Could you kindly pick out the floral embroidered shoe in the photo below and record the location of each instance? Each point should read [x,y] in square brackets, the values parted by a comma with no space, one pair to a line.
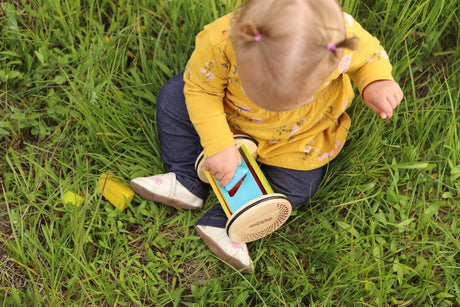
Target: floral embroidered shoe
[167,190]
[234,253]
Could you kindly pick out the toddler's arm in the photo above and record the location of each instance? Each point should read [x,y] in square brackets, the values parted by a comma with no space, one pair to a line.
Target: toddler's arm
[206,77]
[382,96]
[222,165]
[370,69]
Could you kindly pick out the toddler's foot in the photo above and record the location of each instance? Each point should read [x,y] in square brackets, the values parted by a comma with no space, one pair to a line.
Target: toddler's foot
[234,253]
[167,190]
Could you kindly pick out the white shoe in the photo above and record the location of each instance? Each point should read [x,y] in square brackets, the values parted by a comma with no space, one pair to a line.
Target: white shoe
[234,253]
[167,190]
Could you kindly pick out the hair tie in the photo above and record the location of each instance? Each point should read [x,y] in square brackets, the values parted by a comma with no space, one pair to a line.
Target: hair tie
[257,37]
[331,47]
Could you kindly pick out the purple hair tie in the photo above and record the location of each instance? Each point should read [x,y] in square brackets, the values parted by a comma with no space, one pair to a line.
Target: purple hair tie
[331,47]
[258,37]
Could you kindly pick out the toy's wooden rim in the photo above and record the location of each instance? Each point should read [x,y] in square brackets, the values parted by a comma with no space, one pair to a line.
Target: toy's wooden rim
[252,204]
[199,168]
[250,143]
[276,197]
[238,137]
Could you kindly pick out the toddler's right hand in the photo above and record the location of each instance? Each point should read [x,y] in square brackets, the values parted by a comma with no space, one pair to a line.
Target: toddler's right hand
[222,165]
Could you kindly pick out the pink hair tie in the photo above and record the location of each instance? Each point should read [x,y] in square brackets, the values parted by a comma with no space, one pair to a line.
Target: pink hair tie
[258,37]
[331,47]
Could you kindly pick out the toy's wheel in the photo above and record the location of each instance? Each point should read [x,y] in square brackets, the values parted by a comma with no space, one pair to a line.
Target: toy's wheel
[240,139]
[258,218]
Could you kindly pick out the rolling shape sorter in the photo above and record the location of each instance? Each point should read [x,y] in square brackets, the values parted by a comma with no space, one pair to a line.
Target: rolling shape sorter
[252,208]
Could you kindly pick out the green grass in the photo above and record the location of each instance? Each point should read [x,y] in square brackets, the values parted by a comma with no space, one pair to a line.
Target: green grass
[78,85]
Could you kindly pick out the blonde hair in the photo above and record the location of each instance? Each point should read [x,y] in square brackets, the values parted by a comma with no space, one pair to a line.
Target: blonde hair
[286,49]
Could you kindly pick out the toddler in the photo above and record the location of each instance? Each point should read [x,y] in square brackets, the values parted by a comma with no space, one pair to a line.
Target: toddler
[278,71]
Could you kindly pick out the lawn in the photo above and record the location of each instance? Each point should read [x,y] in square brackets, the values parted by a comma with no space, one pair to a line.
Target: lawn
[78,87]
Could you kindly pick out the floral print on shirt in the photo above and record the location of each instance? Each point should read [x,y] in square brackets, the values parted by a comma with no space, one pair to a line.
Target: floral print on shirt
[326,155]
[309,149]
[378,55]
[345,63]
[348,19]
[290,132]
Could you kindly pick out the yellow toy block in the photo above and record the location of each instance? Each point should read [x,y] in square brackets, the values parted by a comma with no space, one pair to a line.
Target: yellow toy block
[73,198]
[115,191]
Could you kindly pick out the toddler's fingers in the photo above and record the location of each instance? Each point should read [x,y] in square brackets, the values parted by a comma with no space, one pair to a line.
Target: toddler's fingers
[398,97]
[389,106]
[381,108]
[225,179]
[393,102]
[218,176]
[377,110]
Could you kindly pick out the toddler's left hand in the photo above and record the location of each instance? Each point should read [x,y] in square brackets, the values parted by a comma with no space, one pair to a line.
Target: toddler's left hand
[383,96]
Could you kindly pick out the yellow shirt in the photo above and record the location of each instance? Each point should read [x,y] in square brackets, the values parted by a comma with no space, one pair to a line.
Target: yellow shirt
[305,138]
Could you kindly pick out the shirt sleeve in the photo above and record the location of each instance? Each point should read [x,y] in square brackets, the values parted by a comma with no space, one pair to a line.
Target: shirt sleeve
[205,83]
[369,61]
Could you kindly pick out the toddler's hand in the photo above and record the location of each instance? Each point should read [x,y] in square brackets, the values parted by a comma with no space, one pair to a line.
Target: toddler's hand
[383,96]
[222,165]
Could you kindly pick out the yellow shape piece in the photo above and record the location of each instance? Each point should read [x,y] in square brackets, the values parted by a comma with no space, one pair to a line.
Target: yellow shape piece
[73,198]
[257,170]
[115,191]
[218,192]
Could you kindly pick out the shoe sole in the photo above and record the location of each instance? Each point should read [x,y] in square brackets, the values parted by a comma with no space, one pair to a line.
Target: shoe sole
[144,193]
[219,252]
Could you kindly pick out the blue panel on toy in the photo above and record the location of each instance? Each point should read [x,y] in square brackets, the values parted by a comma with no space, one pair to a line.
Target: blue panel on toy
[240,172]
[247,191]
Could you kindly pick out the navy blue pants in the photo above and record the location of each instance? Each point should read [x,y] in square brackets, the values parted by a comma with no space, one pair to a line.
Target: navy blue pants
[180,146]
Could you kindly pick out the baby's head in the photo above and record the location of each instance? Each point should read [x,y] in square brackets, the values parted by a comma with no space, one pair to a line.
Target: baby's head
[286,49]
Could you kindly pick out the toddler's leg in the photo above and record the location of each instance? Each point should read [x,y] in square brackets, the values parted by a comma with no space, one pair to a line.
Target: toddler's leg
[180,146]
[297,186]
[180,143]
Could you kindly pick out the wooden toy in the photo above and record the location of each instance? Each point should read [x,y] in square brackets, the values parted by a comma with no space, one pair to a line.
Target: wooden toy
[252,208]
[115,191]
